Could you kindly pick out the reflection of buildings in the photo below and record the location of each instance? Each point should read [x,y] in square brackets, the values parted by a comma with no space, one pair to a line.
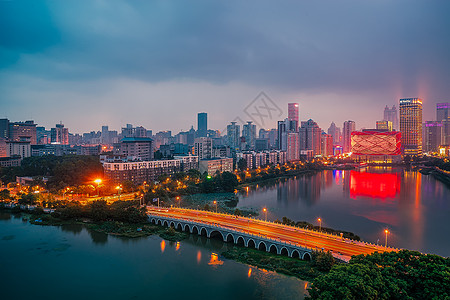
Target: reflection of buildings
[306,188]
[374,185]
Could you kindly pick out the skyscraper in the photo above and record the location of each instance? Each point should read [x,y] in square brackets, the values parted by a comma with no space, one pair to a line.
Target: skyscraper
[335,132]
[390,114]
[203,148]
[202,124]
[293,151]
[442,111]
[311,137]
[432,138]
[349,127]
[293,116]
[384,125]
[249,133]
[60,135]
[411,125]
[233,135]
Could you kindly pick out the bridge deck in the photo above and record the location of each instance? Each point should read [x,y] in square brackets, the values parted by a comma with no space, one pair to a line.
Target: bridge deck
[341,248]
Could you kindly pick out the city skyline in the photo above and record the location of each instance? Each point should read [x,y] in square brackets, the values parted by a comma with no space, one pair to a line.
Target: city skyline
[62,67]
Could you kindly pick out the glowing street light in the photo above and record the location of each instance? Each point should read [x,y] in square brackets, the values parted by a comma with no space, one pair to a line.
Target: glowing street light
[215,203]
[98,181]
[119,189]
[177,198]
[320,224]
[386,232]
[265,213]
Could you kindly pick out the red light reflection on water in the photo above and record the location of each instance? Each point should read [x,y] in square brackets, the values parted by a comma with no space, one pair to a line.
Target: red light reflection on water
[374,185]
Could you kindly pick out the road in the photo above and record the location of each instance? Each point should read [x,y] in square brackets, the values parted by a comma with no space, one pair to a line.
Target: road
[340,248]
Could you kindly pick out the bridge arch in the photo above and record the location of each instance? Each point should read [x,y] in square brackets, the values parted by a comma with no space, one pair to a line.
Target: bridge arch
[203,231]
[262,246]
[172,224]
[153,221]
[306,256]
[194,230]
[295,254]
[273,249]
[251,243]
[187,228]
[179,227]
[284,251]
[216,233]
[165,223]
[240,241]
[230,238]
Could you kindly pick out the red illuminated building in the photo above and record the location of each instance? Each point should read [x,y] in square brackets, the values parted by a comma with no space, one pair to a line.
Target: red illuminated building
[376,145]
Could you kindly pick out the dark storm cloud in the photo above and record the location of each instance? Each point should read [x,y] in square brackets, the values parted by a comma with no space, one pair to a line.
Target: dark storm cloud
[296,46]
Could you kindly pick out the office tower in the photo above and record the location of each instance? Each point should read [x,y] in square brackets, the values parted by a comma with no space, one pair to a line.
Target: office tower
[281,138]
[390,114]
[4,128]
[349,127]
[249,133]
[23,131]
[105,135]
[133,147]
[233,135]
[327,144]
[203,148]
[272,136]
[446,131]
[442,111]
[140,132]
[202,124]
[411,125]
[335,132]
[293,149]
[310,137]
[293,116]
[432,136]
[59,135]
[384,125]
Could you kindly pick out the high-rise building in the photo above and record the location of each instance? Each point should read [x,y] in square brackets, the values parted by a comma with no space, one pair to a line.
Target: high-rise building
[311,137]
[281,136]
[390,114]
[131,147]
[411,125]
[384,125]
[293,116]
[23,131]
[60,135]
[233,135]
[202,124]
[432,136]
[446,131]
[4,128]
[293,150]
[349,127]
[442,111]
[327,144]
[249,133]
[203,147]
[335,132]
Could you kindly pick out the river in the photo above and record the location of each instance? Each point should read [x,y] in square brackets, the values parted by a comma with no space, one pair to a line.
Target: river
[71,262]
[415,208]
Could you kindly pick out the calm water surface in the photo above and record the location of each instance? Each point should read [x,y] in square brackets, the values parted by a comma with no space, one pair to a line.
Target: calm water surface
[70,262]
[415,207]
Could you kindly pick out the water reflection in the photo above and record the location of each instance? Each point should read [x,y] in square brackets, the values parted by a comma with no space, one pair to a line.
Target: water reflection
[199,256]
[98,238]
[214,260]
[163,246]
[414,206]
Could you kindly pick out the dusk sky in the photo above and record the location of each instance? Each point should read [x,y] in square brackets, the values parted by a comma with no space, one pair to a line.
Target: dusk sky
[159,63]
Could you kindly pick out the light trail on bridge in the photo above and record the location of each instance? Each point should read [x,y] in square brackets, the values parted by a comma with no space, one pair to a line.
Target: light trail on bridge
[340,248]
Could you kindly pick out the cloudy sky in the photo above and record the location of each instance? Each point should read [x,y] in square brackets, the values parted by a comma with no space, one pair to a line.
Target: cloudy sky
[158,63]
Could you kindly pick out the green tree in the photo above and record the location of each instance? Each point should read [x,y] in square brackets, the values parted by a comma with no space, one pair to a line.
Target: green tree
[242,164]
[99,210]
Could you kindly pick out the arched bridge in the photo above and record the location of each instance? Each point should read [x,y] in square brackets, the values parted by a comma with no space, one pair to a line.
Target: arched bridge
[227,234]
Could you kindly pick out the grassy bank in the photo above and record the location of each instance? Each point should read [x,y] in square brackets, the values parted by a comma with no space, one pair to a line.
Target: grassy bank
[305,270]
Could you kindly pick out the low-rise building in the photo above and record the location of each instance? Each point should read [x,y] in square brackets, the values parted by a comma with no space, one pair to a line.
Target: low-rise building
[211,166]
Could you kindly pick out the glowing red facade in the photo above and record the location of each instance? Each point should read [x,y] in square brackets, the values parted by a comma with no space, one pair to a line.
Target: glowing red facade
[376,143]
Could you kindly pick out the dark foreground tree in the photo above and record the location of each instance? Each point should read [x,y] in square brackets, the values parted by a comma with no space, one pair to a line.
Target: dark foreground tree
[390,275]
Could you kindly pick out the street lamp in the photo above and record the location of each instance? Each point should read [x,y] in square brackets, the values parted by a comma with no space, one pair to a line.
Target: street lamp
[265,213]
[177,198]
[215,203]
[386,232]
[320,224]
[64,193]
[98,181]
[119,189]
